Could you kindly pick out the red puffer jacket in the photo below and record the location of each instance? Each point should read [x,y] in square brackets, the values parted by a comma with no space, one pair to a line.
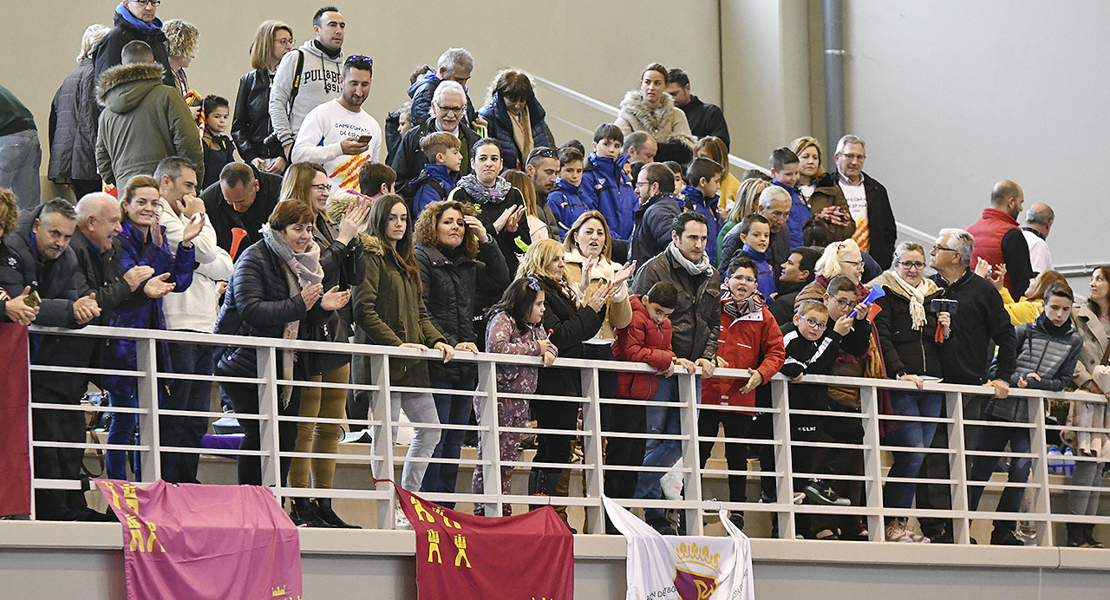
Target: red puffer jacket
[642,341]
[753,341]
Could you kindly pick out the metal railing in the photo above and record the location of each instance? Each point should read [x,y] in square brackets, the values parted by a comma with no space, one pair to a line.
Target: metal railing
[957,425]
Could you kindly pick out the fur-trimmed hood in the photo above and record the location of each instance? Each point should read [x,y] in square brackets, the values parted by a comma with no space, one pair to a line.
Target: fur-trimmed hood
[372,244]
[114,92]
[652,120]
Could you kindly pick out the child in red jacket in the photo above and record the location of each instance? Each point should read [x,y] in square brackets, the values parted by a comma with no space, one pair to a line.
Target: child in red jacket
[749,339]
[646,339]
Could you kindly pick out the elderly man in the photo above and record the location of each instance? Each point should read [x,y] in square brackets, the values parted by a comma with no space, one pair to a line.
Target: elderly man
[308,76]
[41,260]
[134,20]
[640,146]
[868,204]
[979,322]
[448,107]
[774,204]
[239,203]
[338,134]
[1000,241]
[1038,223]
[456,64]
[705,119]
[542,167]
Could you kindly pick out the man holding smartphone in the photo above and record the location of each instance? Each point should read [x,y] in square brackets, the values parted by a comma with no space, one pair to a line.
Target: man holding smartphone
[979,322]
[338,134]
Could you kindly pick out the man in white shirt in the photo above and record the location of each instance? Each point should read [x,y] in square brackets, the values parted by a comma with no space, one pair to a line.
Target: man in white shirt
[338,134]
[194,311]
[1038,222]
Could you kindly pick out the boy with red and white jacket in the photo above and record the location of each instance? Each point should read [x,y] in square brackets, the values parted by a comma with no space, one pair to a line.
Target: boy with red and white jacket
[749,339]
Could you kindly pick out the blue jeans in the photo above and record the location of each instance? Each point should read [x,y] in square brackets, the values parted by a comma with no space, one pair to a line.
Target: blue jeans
[453,410]
[186,432]
[910,434]
[20,157]
[994,439]
[661,453]
[121,430]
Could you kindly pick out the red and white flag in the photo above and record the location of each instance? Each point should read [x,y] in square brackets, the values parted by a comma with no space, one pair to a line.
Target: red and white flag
[466,557]
[684,568]
[205,542]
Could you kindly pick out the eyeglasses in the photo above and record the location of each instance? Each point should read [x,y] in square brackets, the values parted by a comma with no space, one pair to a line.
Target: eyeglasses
[533,284]
[854,157]
[458,110]
[814,323]
[153,3]
[912,265]
[858,264]
[845,304]
[939,248]
[543,151]
[323,187]
[285,41]
[642,183]
[359,59]
[744,278]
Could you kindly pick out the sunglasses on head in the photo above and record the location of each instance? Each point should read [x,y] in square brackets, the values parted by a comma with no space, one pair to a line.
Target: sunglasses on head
[359,59]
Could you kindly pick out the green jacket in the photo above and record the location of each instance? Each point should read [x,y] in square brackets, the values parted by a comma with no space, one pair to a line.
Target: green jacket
[143,122]
[389,311]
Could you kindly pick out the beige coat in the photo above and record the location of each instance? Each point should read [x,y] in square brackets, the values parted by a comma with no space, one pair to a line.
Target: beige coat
[1088,414]
[619,313]
[666,124]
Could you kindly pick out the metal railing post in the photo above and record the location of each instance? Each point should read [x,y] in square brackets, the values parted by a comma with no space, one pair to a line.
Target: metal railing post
[688,420]
[146,389]
[592,449]
[957,467]
[1042,503]
[382,437]
[490,437]
[872,462]
[268,423]
[784,485]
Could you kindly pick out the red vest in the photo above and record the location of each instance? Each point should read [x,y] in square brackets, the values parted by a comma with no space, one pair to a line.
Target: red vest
[988,232]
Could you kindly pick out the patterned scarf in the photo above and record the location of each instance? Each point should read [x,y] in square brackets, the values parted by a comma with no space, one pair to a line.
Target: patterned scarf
[482,194]
[739,308]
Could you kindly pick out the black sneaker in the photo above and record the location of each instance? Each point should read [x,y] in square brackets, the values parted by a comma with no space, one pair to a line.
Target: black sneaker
[820,492]
[1005,537]
[737,520]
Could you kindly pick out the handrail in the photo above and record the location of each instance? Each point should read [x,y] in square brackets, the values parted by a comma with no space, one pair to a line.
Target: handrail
[782,443]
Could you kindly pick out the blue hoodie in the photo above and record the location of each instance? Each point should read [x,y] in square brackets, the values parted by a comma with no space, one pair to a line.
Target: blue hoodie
[606,187]
[694,200]
[567,202]
[799,213]
[426,193]
[765,277]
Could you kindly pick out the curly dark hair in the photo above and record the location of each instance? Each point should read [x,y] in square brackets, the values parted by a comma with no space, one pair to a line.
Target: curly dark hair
[424,232]
[9,210]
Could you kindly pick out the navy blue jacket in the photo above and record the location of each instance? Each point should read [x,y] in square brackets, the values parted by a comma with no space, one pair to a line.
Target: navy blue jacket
[695,201]
[610,190]
[422,91]
[426,193]
[567,203]
[799,214]
[501,128]
[653,227]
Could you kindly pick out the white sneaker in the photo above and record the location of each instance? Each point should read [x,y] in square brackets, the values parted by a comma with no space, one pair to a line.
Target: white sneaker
[400,521]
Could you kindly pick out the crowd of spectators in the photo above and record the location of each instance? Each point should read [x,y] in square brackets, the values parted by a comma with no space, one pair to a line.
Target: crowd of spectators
[479,232]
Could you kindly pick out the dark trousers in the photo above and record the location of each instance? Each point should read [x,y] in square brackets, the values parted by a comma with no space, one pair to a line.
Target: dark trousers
[57,426]
[185,432]
[244,397]
[86,186]
[453,410]
[736,425]
[994,439]
[622,451]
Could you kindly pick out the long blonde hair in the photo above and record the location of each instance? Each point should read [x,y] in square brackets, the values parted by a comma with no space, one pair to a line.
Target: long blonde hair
[829,263]
[536,258]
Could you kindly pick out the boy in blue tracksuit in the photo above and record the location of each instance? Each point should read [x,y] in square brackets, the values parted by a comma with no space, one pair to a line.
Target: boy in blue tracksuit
[700,195]
[755,234]
[437,179]
[568,200]
[606,185]
[786,168]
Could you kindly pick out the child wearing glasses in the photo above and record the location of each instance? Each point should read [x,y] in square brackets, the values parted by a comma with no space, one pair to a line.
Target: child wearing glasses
[515,327]
[749,339]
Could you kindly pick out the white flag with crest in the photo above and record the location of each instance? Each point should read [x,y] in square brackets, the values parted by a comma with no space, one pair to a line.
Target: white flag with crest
[684,568]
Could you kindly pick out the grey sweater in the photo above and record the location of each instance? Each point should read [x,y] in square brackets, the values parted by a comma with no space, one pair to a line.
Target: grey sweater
[319,83]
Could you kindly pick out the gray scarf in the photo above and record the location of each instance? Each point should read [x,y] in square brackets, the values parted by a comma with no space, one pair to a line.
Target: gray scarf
[702,267]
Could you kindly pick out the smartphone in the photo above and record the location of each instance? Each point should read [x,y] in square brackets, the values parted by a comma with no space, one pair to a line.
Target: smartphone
[33,299]
[365,139]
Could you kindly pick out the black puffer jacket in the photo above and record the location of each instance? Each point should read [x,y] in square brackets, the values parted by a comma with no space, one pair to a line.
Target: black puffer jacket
[567,328]
[250,125]
[905,349]
[257,304]
[449,286]
[109,51]
[1046,350]
[73,115]
[344,266]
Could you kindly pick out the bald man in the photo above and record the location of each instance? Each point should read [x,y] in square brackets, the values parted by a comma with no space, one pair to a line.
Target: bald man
[999,239]
[1038,222]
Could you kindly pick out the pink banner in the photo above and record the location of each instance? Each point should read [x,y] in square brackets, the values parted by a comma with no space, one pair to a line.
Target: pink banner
[15,398]
[205,542]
